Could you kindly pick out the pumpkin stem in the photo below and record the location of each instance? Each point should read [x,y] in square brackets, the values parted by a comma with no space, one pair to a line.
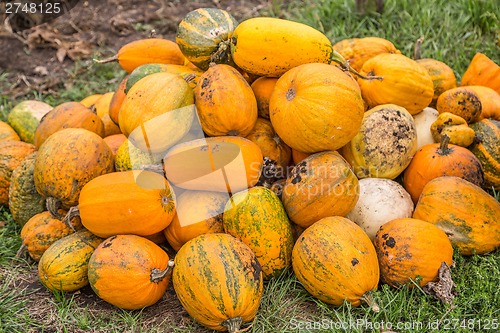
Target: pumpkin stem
[443,145]
[368,299]
[53,206]
[233,324]
[417,53]
[223,53]
[105,61]
[339,59]
[21,251]
[158,275]
[72,213]
[190,77]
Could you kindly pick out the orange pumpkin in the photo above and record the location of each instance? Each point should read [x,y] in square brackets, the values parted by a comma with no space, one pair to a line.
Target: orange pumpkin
[115,141]
[263,88]
[225,103]
[90,100]
[117,100]
[482,71]
[7,132]
[102,106]
[304,114]
[468,102]
[443,77]
[408,248]
[298,156]
[490,102]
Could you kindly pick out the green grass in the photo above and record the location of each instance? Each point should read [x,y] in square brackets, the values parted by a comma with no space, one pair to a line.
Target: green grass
[454,31]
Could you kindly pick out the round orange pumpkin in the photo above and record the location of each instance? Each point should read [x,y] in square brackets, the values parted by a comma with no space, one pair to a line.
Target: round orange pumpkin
[461,101]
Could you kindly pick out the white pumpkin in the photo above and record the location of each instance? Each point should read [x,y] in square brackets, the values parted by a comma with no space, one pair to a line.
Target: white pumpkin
[380,200]
[423,122]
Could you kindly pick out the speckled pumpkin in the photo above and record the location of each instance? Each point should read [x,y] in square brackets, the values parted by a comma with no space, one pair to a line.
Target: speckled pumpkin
[129,157]
[486,147]
[257,217]
[322,185]
[128,281]
[466,213]
[25,118]
[218,281]
[408,249]
[335,261]
[453,126]
[7,132]
[189,74]
[64,265]
[442,75]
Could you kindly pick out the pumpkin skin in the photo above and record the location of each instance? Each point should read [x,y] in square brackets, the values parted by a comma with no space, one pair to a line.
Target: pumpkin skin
[298,156]
[441,159]
[117,100]
[7,132]
[129,157]
[90,100]
[221,164]
[218,281]
[373,153]
[68,115]
[322,185]
[486,148]
[101,107]
[197,213]
[423,122]
[404,82]
[148,51]
[129,282]
[482,71]
[335,261]
[263,88]
[461,101]
[267,46]
[358,50]
[125,198]
[12,154]
[455,127]
[467,214]
[61,170]
[154,120]
[114,142]
[305,116]
[64,265]
[257,217]
[225,103]
[443,77]
[204,35]
[25,117]
[24,200]
[407,248]
[490,102]
[41,231]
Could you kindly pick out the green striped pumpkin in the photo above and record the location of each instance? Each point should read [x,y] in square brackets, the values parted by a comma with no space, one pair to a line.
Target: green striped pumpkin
[63,266]
[204,36]
[486,147]
[258,218]
[25,117]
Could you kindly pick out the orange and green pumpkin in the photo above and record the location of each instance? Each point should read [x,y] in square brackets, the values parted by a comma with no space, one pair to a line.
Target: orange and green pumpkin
[7,132]
[25,117]
[486,147]
[191,75]
[129,157]
[461,101]
[442,75]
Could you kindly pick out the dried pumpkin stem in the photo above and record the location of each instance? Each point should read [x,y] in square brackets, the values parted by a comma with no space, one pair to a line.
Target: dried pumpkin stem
[158,275]
[72,213]
[223,53]
[190,77]
[417,53]
[233,324]
[443,145]
[105,61]
[53,205]
[21,251]
[339,59]
[368,299]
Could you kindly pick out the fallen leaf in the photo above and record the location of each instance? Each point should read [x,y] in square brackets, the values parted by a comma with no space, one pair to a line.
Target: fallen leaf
[444,288]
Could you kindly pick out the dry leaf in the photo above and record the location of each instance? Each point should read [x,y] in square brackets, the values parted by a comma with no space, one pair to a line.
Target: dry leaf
[444,288]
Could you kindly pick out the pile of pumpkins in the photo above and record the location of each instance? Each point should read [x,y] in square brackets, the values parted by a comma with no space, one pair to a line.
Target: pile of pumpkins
[250,148]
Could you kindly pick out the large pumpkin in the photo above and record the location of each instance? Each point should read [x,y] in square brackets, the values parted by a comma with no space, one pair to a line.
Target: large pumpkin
[225,102]
[12,153]
[257,217]
[467,214]
[482,71]
[402,82]
[66,161]
[204,36]
[197,213]
[486,147]
[408,248]
[335,261]
[322,185]
[128,281]
[218,281]
[63,266]
[112,204]
[25,117]
[442,75]
[305,115]
[467,103]
[385,143]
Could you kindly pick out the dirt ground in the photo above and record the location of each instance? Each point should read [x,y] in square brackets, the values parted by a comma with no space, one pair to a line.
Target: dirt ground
[38,58]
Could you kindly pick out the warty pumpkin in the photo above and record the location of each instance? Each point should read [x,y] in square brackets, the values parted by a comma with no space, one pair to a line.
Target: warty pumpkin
[223,164]
[117,100]
[466,213]
[408,249]
[197,213]
[225,103]
[112,204]
[64,265]
[486,148]
[304,114]
[263,88]
[257,217]
[127,281]
[335,261]
[218,281]
[12,154]
[482,71]
[453,126]
[442,75]
[322,185]
[7,132]
[25,118]
[68,115]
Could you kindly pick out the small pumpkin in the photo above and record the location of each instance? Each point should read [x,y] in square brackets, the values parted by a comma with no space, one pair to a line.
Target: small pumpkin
[190,75]
[204,36]
[225,103]
[129,282]
[466,213]
[102,106]
[129,157]
[12,154]
[442,75]
[114,142]
[25,117]
[335,261]
[423,122]
[322,185]
[218,280]
[257,217]
[64,265]
[117,100]
[486,148]
[197,213]
[112,204]
[409,248]
[68,115]
[263,88]
[7,132]
[455,127]
[461,101]
[482,71]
